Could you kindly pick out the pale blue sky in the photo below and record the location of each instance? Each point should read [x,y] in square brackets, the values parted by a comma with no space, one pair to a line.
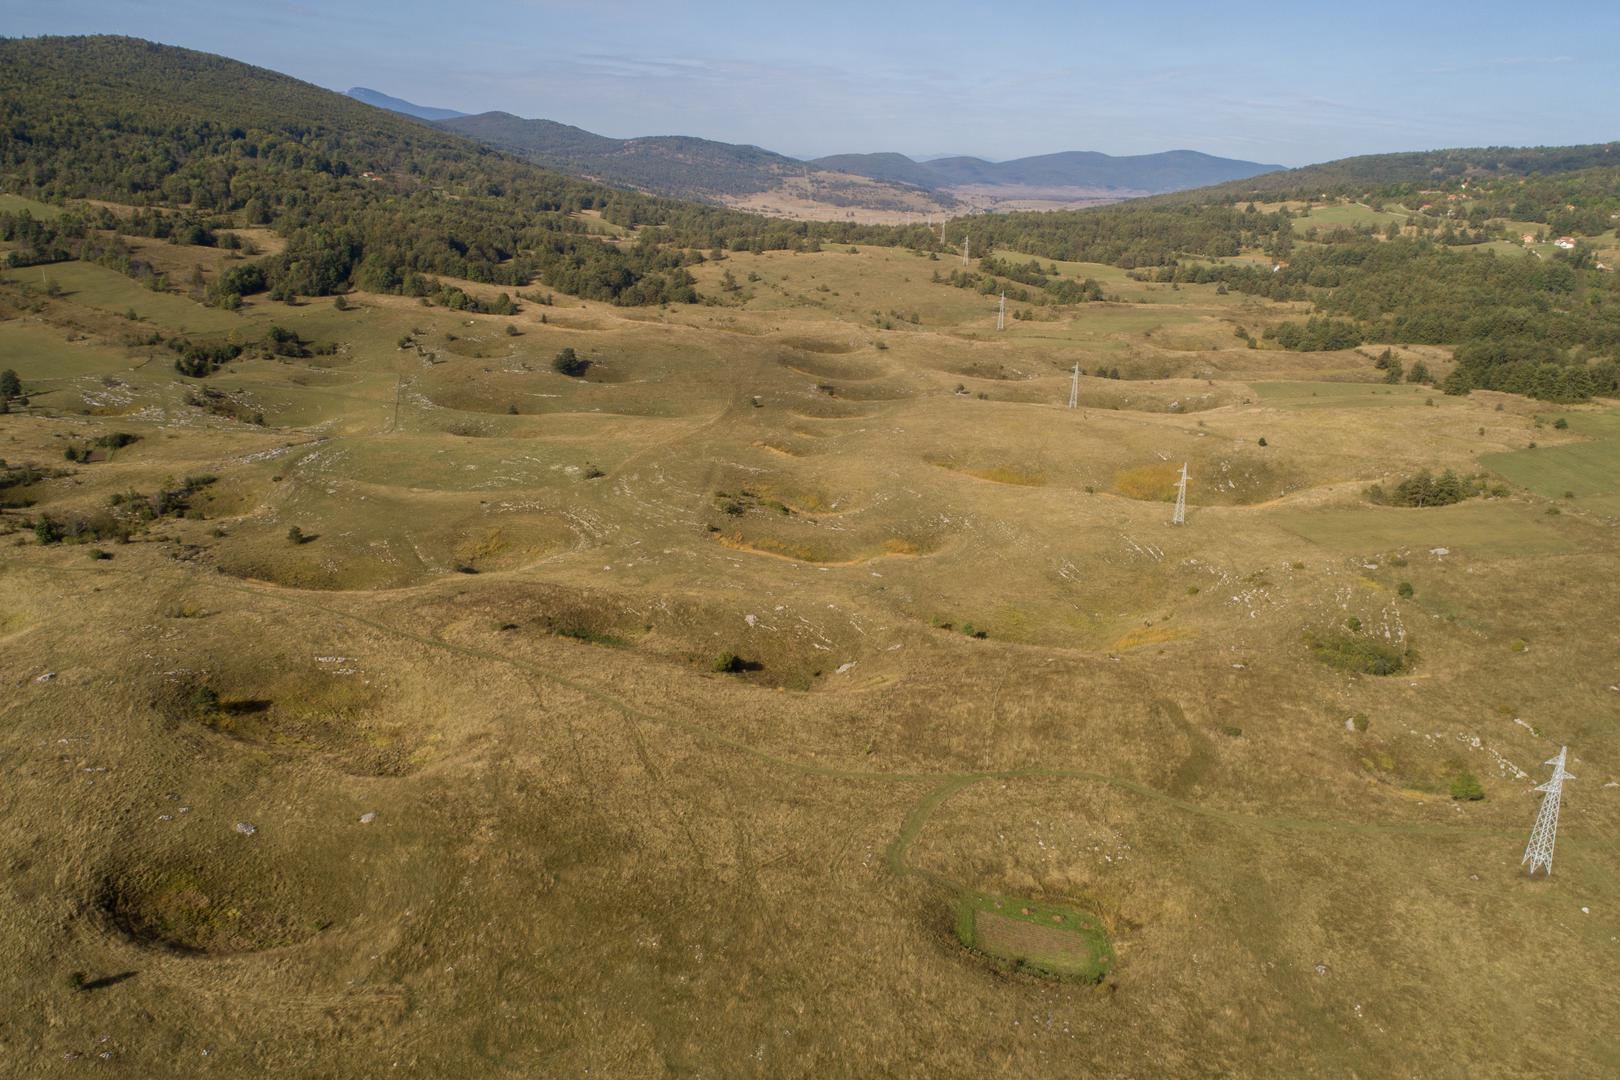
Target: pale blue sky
[1291,84]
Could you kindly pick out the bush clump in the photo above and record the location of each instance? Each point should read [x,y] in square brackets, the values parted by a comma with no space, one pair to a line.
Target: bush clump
[1465,786]
[729,663]
[1426,489]
[1360,653]
[570,363]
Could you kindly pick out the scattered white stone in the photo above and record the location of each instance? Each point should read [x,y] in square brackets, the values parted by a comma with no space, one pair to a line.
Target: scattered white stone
[47,677]
[246,828]
[1586,911]
[1439,553]
[843,668]
[368,817]
[1321,969]
[751,620]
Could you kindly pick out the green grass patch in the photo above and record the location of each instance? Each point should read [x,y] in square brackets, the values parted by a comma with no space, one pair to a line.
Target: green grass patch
[1345,215]
[587,634]
[15,204]
[1585,468]
[107,290]
[1050,939]
[1494,528]
[43,360]
[1328,395]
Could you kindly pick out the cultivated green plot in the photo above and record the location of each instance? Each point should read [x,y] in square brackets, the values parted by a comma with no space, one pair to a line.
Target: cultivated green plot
[1346,215]
[13,204]
[107,290]
[1584,468]
[1493,528]
[39,355]
[1324,395]
[456,463]
[1052,939]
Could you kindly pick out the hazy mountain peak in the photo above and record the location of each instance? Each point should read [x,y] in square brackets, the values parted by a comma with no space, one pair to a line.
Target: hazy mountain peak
[400,105]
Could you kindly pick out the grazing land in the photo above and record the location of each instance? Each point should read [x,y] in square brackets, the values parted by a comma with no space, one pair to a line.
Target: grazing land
[506,814]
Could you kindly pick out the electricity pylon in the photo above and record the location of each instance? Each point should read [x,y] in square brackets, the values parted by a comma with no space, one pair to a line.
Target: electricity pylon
[1539,851]
[1180,516]
[1074,389]
[1001,313]
[967,244]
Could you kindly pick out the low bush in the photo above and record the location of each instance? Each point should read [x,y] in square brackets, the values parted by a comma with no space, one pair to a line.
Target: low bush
[570,363]
[1360,653]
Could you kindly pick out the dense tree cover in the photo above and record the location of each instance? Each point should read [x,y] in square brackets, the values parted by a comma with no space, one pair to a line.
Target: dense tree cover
[1395,176]
[1316,335]
[1135,233]
[364,197]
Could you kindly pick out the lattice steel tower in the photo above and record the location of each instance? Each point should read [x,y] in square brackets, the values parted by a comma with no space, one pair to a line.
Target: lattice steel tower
[1180,516]
[1539,851]
[1074,389]
[1001,313]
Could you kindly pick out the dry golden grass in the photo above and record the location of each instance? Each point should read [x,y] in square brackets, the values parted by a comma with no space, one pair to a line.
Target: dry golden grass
[591,850]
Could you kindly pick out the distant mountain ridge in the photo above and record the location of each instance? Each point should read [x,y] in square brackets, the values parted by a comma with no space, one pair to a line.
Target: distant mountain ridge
[713,171]
[1171,170]
[674,165]
[400,105]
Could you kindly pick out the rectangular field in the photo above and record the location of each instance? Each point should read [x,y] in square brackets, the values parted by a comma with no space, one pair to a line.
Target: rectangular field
[1582,468]
[1325,395]
[1492,528]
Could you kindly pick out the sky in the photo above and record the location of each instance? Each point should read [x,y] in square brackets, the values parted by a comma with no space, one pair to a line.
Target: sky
[1287,84]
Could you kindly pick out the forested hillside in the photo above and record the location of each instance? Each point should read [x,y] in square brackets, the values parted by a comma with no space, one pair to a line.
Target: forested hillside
[364,197]
[673,165]
[1396,174]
